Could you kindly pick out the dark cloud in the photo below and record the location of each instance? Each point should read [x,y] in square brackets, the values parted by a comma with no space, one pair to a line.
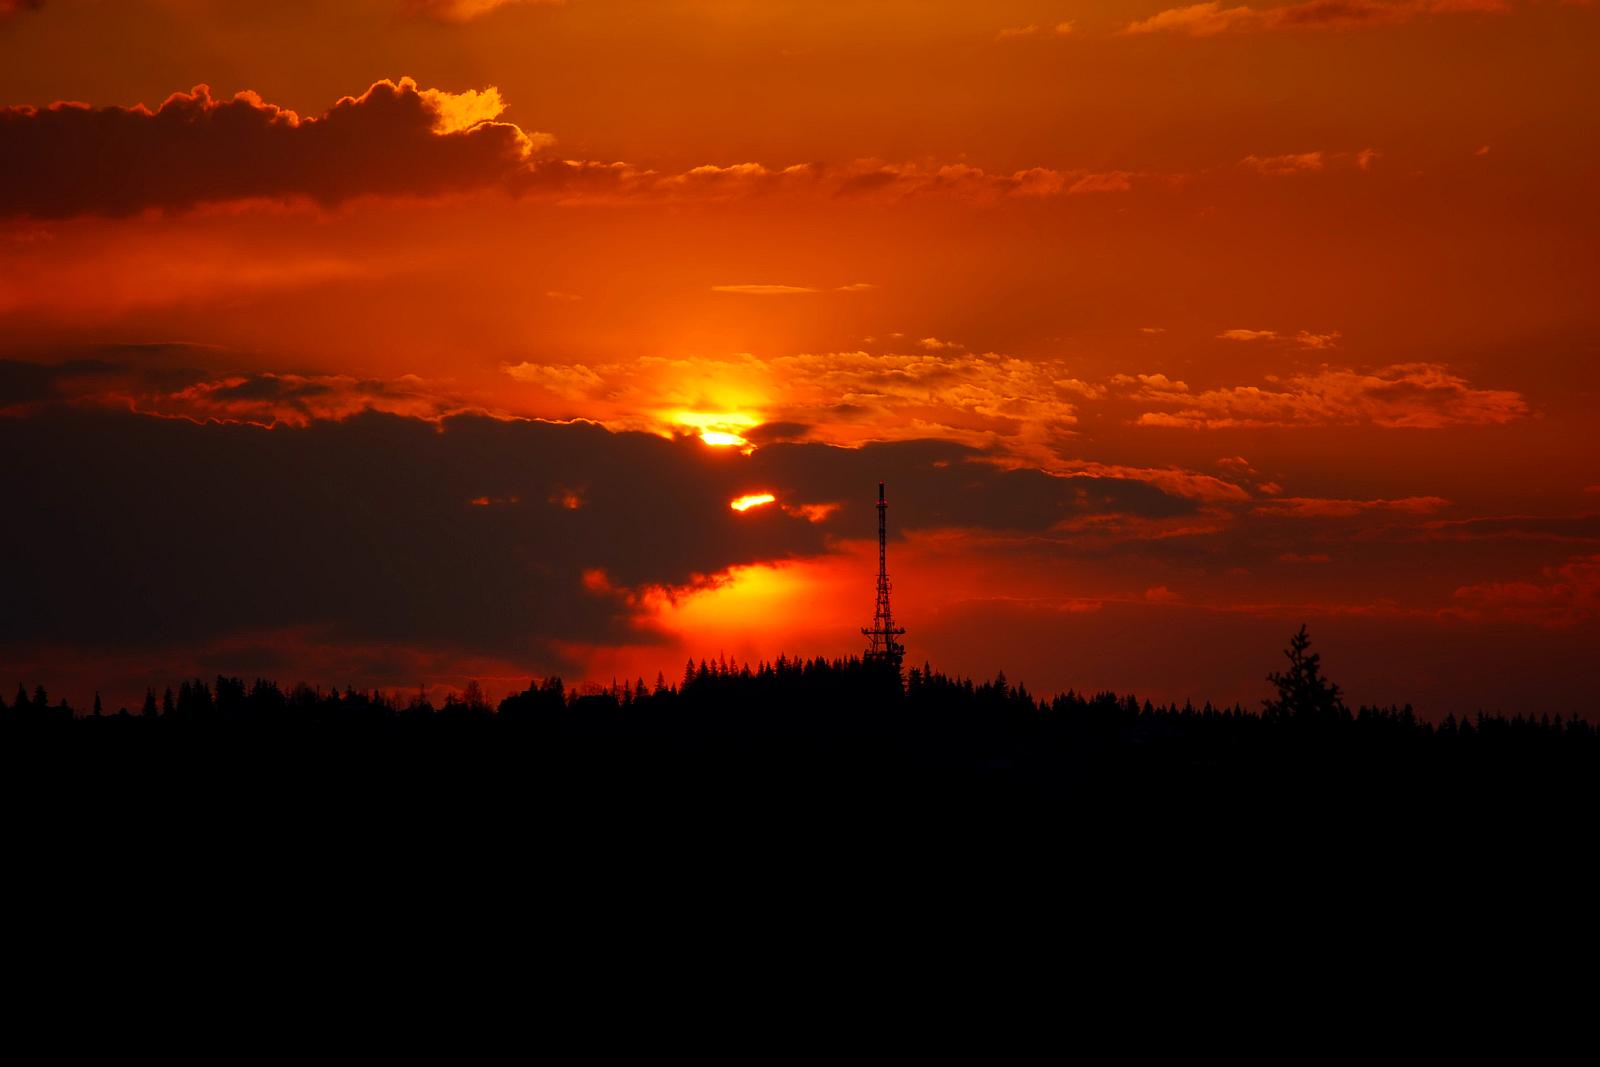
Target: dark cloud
[70,159]
[396,139]
[771,432]
[154,379]
[165,530]
[467,532]
[37,383]
[1515,528]
[943,484]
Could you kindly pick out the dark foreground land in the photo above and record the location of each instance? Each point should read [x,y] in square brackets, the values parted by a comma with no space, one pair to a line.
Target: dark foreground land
[832,804]
[822,837]
[791,743]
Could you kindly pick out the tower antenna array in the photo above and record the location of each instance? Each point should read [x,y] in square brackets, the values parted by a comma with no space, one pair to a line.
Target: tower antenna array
[882,646]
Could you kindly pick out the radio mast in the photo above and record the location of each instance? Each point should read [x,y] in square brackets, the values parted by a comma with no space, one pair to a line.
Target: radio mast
[882,646]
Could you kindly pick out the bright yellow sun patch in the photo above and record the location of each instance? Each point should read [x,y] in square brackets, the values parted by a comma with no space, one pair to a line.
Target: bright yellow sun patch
[745,503]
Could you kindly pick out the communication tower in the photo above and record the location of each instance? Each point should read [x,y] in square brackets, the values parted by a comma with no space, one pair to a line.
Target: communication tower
[882,645]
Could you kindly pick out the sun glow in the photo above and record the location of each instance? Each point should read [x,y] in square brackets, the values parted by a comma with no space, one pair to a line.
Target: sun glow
[745,503]
[721,429]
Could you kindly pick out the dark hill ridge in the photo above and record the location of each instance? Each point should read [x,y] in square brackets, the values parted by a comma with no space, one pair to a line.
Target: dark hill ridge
[809,734]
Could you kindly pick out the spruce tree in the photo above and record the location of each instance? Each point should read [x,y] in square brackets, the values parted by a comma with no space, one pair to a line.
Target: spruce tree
[1303,692]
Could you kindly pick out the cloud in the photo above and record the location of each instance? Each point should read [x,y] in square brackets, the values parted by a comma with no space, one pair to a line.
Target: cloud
[457,112]
[1171,480]
[943,485]
[1109,182]
[867,179]
[1556,528]
[876,179]
[1304,338]
[1280,166]
[1324,508]
[790,290]
[467,532]
[1059,29]
[1568,595]
[268,399]
[1307,339]
[397,139]
[1293,164]
[764,290]
[463,10]
[359,522]
[572,380]
[1212,19]
[1023,408]
[393,139]
[1408,395]
[1237,465]
[161,387]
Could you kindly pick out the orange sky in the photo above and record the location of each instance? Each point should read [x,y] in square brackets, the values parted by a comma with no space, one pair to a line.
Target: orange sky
[1172,328]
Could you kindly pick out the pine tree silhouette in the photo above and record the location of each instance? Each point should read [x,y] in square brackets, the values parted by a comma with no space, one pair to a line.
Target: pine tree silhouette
[1303,692]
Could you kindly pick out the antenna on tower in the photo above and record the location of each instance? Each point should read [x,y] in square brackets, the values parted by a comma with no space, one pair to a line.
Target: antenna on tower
[882,646]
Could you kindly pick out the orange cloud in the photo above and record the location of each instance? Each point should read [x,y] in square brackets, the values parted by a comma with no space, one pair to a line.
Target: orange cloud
[764,290]
[1279,166]
[1304,338]
[1171,480]
[1022,406]
[1307,339]
[463,10]
[1292,164]
[1411,395]
[1014,33]
[1211,19]
[871,178]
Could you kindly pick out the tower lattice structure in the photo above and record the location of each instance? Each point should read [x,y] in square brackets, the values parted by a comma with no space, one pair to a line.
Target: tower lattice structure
[882,645]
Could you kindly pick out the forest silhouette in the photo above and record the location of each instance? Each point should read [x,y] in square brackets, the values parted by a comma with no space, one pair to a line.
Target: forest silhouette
[806,735]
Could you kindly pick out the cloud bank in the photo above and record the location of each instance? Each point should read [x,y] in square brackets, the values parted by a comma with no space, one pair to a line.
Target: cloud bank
[1212,18]
[195,148]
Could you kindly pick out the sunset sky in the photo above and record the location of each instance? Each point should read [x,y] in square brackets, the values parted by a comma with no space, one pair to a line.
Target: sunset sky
[400,343]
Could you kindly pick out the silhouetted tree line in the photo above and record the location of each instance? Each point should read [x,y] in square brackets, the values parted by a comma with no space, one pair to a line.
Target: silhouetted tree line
[848,709]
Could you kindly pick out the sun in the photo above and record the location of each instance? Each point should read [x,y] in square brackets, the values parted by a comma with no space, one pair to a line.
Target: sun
[722,439]
[720,429]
